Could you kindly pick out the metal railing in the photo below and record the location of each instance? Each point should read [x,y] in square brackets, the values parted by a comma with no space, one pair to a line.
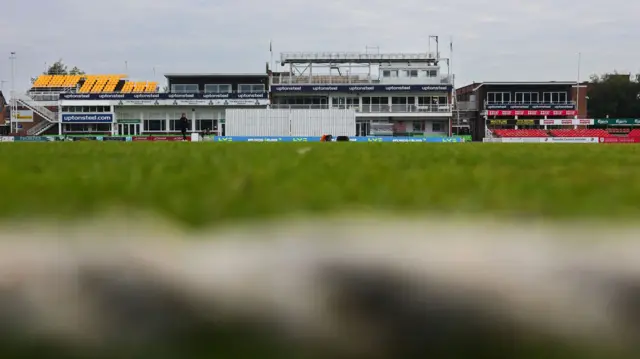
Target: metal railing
[363,79]
[322,79]
[37,108]
[373,108]
[357,56]
[46,96]
[40,128]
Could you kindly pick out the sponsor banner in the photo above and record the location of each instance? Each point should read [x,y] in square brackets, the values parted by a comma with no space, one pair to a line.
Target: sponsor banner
[564,122]
[571,139]
[6,139]
[532,113]
[159,138]
[351,139]
[195,102]
[512,122]
[129,121]
[617,121]
[164,96]
[537,106]
[545,140]
[360,88]
[33,139]
[114,138]
[168,138]
[519,140]
[619,139]
[86,118]
[23,116]
[82,138]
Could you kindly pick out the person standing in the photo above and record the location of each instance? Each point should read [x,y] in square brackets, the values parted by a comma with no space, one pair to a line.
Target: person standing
[184,125]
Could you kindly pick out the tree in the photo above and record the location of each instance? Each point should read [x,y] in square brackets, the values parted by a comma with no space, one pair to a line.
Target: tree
[614,95]
[59,68]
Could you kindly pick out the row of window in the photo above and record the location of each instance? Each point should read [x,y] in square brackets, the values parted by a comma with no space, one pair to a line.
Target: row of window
[174,125]
[409,73]
[149,126]
[217,88]
[422,126]
[355,101]
[162,116]
[86,127]
[527,97]
[86,109]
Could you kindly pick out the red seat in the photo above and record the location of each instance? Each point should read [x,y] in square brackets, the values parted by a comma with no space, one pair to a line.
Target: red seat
[520,133]
[581,132]
[634,133]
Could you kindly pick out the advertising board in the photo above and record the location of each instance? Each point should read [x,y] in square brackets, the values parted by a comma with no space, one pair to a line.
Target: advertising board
[619,139]
[544,140]
[532,112]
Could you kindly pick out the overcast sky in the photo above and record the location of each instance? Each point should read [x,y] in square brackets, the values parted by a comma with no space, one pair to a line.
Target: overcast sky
[505,40]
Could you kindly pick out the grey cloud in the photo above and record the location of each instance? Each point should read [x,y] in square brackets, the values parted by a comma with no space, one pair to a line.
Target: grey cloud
[225,35]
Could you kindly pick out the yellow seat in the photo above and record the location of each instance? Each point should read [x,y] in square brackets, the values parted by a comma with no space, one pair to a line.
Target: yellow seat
[151,87]
[101,81]
[139,86]
[71,81]
[42,81]
[56,81]
[88,84]
[128,87]
[112,82]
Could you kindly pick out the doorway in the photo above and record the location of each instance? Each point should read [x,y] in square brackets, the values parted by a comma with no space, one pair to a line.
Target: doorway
[129,129]
[363,128]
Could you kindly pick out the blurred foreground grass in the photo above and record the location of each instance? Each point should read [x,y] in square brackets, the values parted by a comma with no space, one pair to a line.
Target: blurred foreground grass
[205,183]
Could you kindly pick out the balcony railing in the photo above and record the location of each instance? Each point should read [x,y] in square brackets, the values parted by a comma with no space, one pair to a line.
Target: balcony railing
[46,96]
[373,108]
[361,79]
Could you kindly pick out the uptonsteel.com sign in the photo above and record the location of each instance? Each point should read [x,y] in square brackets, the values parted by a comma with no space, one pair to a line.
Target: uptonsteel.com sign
[87,118]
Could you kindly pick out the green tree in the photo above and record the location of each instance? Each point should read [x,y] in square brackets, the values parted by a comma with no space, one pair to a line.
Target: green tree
[614,95]
[59,68]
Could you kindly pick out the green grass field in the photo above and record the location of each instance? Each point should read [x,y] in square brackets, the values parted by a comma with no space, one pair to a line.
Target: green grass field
[205,183]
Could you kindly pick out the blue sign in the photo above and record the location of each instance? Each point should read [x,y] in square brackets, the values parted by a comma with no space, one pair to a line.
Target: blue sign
[351,139]
[360,88]
[537,106]
[32,139]
[87,118]
[163,96]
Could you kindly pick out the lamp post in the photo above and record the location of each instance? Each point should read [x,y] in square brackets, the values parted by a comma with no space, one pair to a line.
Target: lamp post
[12,57]
[578,86]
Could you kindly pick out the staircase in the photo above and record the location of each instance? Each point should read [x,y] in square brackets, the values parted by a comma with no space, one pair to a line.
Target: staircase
[50,117]
[40,128]
[37,108]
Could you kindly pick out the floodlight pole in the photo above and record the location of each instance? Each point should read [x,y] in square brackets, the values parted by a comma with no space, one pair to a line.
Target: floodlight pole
[12,57]
[578,86]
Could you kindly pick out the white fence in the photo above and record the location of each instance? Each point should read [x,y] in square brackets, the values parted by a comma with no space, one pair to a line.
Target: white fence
[290,122]
[257,122]
[542,140]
